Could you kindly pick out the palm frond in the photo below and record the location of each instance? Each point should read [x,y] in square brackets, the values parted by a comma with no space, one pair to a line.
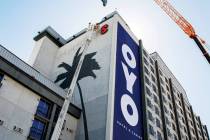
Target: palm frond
[87,69]
[61,77]
[88,66]
[65,66]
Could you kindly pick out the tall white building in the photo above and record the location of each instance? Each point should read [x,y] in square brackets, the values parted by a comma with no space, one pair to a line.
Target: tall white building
[170,115]
[156,106]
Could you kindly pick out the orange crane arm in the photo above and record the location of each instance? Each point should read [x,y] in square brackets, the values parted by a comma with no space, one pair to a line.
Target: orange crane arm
[183,24]
[177,17]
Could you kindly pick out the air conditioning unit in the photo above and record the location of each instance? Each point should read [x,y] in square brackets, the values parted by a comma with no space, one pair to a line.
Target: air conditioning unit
[1,122]
[17,129]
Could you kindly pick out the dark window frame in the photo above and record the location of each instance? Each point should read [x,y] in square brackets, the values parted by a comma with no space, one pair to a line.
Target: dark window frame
[49,108]
[1,77]
[159,136]
[40,135]
[43,119]
[151,130]
[158,124]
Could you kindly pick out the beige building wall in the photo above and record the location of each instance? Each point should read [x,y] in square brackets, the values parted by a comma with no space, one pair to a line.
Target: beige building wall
[17,108]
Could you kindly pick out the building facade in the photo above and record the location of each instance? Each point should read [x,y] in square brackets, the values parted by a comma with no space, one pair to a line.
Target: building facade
[31,95]
[170,115]
[30,103]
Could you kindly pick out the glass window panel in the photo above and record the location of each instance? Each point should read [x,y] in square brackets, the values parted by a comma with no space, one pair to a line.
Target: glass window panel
[43,109]
[1,77]
[37,130]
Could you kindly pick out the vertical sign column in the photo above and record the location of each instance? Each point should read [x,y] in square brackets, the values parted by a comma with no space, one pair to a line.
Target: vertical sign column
[128,124]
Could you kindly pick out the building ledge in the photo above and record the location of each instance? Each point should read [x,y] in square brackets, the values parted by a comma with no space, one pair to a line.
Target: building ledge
[33,80]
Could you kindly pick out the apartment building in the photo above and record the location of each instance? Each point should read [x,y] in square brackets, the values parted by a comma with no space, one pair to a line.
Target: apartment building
[169,114]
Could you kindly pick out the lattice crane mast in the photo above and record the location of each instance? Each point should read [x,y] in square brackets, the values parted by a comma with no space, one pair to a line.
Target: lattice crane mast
[184,25]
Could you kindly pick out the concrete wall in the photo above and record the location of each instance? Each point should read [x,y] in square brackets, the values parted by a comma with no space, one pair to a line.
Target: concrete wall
[17,108]
[98,92]
[94,90]
[69,129]
[43,56]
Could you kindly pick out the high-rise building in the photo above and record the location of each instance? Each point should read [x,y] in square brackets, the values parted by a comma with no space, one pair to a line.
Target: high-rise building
[169,113]
[127,92]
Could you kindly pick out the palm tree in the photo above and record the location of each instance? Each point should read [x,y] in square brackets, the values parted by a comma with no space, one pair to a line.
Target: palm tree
[89,64]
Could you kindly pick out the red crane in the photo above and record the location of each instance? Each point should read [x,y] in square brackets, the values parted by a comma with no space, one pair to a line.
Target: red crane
[184,25]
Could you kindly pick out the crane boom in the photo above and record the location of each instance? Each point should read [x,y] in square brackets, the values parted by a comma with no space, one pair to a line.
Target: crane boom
[183,24]
[177,17]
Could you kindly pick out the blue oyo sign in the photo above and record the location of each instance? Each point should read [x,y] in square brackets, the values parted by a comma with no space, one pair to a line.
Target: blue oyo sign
[128,122]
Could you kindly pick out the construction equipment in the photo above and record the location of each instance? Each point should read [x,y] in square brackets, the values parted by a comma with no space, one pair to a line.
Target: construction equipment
[59,124]
[184,25]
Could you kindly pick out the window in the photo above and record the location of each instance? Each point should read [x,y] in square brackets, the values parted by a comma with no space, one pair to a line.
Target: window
[37,130]
[167,87]
[148,91]
[191,123]
[146,62]
[174,127]
[164,99]
[174,90]
[160,72]
[175,137]
[1,77]
[185,130]
[178,94]
[157,111]
[163,90]
[147,80]
[183,120]
[199,132]
[166,80]
[190,115]
[145,53]
[170,106]
[151,61]
[156,99]
[161,80]
[146,70]
[169,97]
[149,103]
[180,103]
[167,121]
[43,109]
[159,136]
[165,109]
[153,79]
[150,116]
[181,111]
[57,112]
[169,132]
[193,131]
[172,116]
[158,123]
[152,69]
[154,88]
[151,130]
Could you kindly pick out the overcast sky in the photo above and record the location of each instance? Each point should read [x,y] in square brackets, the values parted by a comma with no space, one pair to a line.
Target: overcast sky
[20,20]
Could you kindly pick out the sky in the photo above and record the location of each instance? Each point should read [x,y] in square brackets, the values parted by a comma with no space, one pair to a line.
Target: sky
[20,21]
